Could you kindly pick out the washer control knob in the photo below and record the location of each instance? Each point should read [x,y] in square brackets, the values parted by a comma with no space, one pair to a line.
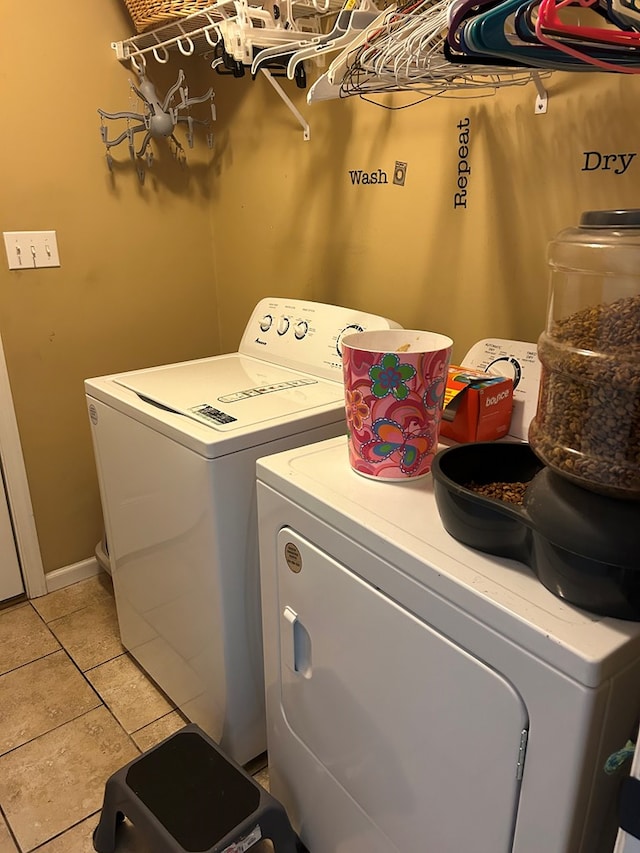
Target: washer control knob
[266,322]
[300,329]
[353,327]
[283,325]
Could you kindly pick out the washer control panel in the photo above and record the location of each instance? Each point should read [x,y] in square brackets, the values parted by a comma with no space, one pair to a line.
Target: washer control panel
[305,335]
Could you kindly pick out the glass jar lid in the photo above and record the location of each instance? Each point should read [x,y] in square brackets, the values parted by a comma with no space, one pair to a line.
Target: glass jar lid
[611,218]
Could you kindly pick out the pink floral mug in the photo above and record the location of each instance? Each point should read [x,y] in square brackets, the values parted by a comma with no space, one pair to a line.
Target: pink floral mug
[394,383]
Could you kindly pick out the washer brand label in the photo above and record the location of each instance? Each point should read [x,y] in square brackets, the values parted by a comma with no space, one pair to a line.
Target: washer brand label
[213,414]
[93,414]
[293,557]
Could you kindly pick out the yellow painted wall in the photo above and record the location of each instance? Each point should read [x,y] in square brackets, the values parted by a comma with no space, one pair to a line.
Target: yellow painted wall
[170,270]
[136,286]
[292,220]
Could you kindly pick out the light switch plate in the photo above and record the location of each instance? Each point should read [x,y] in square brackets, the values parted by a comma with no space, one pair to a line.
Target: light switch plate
[28,250]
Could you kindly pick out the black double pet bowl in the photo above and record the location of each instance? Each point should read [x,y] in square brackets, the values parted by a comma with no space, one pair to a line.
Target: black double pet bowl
[584,547]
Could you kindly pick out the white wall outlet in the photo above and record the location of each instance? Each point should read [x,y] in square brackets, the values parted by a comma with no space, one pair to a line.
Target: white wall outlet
[29,250]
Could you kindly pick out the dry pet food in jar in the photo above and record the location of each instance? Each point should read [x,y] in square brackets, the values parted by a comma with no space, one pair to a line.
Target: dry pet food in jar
[587,425]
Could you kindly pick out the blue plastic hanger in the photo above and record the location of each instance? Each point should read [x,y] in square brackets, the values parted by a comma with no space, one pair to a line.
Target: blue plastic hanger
[485,33]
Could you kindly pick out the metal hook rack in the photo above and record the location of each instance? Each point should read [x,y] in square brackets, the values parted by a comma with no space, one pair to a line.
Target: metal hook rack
[190,35]
[196,34]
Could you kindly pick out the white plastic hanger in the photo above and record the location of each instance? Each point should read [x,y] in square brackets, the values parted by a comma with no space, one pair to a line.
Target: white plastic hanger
[328,84]
[291,42]
[351,21]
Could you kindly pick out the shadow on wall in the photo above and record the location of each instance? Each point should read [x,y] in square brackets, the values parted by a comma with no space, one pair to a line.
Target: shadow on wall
[546,187]
[303,223]
[365,243]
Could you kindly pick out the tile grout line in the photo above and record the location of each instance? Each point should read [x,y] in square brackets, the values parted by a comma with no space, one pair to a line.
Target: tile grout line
[101,703]
[53,729]
[9,829]
[64,831]
[84,675]
[35,660]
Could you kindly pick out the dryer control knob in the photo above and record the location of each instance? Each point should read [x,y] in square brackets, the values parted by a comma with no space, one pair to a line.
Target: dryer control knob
[266,322]
[283,325]
[301,328]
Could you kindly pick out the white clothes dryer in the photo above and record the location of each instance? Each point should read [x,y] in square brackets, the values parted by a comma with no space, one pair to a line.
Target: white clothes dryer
[628,838]
[423,696]
[176,448]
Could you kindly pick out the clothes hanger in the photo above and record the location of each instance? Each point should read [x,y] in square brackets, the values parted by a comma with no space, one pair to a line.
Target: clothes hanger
[525,18]
[548,20]
[419,54]
[405,48]
[340,27]
[296,39]
[415,57]
[338,66]
[383,44]
[486,34]
[460,11]
[353,18]
[346,66]
[627,11]
[463,45]
[328,84]
[254,29]
[546,13]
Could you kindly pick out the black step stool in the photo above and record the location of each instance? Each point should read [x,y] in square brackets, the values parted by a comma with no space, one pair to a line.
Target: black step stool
[185,796]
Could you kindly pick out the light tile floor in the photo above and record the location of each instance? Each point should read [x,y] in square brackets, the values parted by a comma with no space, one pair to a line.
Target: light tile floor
[74,708]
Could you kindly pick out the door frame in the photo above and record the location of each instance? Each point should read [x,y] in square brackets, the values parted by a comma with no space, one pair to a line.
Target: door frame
[17,487]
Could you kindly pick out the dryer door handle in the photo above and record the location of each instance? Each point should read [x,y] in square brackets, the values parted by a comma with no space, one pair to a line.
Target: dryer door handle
[296,643]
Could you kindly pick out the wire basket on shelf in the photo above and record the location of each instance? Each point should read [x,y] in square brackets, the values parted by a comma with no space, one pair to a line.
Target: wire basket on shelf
[146,14]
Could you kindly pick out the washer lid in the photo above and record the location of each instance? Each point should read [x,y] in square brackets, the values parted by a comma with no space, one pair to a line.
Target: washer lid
[230,392]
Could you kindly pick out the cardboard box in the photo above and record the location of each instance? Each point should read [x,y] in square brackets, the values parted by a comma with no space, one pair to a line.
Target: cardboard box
[477,405]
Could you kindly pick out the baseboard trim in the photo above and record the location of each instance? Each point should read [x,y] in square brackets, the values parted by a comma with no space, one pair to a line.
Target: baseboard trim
[67,575]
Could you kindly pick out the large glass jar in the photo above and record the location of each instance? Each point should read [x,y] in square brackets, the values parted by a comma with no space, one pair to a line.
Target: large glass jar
[587,424]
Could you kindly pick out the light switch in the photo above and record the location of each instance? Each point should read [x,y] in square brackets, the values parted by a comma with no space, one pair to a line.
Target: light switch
[29,250]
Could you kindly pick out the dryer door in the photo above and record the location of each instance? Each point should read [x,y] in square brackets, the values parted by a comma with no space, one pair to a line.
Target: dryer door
[418,733]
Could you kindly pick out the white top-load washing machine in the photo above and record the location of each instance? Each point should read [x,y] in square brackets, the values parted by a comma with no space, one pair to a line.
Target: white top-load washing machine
[175,449]
[421,695]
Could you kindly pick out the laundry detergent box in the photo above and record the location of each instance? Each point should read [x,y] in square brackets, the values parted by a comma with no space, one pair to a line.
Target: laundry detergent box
[477,405]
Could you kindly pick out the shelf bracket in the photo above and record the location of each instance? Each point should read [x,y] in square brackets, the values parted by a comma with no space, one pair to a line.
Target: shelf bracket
[306,133]
[542,98]
[121,49]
